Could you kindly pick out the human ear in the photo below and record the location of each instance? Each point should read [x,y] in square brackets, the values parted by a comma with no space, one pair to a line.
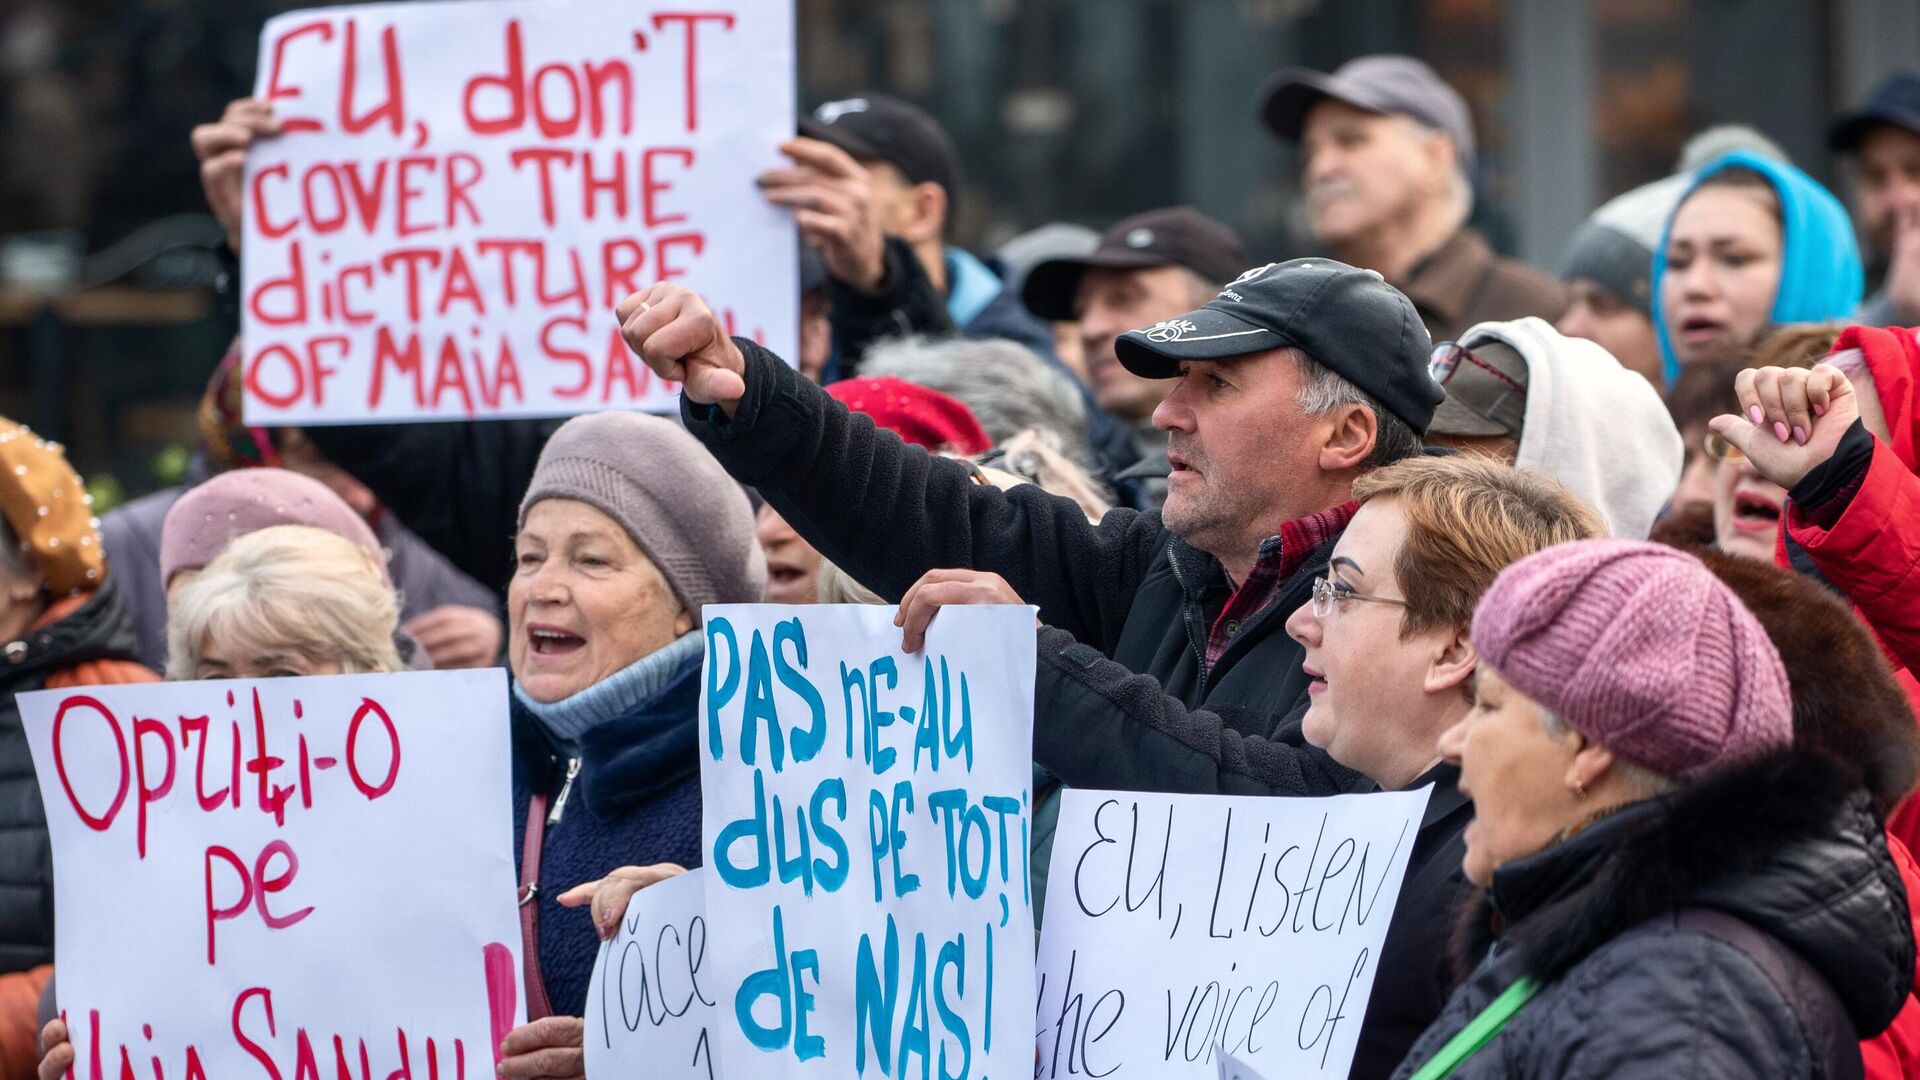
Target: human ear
[1350,439]
[1452,664]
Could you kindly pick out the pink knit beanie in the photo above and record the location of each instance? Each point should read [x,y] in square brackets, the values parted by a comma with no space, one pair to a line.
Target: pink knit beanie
[1642,649]
[206,519]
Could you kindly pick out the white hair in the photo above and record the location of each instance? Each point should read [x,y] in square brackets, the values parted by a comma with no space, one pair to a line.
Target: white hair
[293,587]
[1006,386]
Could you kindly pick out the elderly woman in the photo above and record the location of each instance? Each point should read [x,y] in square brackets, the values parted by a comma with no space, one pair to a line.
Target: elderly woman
[62,623]
[285,600]
[1679,892]
[628,529]
[281,601]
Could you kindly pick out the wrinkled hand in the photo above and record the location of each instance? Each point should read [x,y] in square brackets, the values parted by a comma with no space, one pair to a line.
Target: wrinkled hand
[222,150]
[457,636]
[1792,419]
[1903,265]
[831,196]
[56,1050]
[547,1049]
[940,588]
[609,895]
[680,338]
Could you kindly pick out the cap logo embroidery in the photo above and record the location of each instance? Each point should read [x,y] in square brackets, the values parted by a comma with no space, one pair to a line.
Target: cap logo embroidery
[834,110]
[1139,238]
[1253,273]
[1169,330]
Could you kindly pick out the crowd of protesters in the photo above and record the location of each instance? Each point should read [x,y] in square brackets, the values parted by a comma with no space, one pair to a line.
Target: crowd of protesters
[1623,562]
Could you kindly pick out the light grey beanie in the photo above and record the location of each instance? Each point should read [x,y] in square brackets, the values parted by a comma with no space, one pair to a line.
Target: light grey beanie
[670,495]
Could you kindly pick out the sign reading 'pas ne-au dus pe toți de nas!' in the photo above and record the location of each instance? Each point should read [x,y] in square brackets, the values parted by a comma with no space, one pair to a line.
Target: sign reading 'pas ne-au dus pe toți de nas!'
[463,192]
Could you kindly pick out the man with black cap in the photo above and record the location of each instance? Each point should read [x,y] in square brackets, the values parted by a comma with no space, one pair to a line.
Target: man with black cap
[1144,269]
[1387,157]
[1883,138]
[872,187]
[1292,382]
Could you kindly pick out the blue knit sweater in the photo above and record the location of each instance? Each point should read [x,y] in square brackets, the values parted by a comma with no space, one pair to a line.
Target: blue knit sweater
[636,799]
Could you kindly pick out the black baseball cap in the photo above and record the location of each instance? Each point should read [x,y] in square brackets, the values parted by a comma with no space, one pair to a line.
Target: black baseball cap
[1175,236]
[1386,84]
[1896,102]
[876,127]
[1345,319]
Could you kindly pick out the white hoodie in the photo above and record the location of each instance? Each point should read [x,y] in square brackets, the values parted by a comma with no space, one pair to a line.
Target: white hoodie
[1595,426]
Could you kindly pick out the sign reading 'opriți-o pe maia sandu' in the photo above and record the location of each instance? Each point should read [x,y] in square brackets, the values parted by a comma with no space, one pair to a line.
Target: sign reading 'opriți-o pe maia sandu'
[462,192]
[303,877]
[867,829]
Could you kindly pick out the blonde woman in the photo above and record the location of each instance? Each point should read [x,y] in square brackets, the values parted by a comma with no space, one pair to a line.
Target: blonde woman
[286,600]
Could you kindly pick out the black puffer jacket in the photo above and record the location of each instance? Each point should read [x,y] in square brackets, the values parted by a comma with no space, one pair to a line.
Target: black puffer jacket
[1616,925]
[100,630]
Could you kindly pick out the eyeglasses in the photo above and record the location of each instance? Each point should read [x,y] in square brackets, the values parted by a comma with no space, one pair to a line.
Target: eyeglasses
[1719,449]
[1327,593]
[1445,357]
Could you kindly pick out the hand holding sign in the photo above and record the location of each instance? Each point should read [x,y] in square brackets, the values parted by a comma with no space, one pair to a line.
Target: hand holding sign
[609,895]
[680,338]
[222,150]
[943,588]
[831,197]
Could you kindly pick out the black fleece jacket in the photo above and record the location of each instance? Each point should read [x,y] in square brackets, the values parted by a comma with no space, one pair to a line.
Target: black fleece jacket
[1155,718]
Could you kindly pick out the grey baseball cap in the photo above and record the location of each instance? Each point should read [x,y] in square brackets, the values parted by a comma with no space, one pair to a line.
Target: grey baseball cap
[1387,84]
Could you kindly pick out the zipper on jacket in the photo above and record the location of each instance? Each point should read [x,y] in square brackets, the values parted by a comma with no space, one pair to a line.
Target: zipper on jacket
[1186,621]
[560,800]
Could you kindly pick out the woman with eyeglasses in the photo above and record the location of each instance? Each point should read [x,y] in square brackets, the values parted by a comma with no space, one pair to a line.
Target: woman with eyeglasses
[1386,648]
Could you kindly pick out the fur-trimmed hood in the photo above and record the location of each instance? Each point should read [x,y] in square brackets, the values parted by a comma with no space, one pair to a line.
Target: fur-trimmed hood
[1787,843]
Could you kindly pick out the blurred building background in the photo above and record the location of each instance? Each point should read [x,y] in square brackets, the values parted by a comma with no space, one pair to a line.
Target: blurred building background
[1078,110]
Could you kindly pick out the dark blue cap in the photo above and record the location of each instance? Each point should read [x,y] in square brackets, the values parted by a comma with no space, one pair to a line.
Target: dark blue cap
[1350,321]
[1896,102]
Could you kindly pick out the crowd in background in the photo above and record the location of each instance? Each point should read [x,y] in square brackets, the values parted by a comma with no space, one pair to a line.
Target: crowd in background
[1621,557]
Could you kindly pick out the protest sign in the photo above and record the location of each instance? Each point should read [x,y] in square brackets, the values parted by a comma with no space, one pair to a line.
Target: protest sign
[464,191]
[293,877]
[650,1002]
[1178,926]
[867,836]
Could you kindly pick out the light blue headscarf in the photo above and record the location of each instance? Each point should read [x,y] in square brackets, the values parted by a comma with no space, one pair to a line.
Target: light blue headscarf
[1820,273]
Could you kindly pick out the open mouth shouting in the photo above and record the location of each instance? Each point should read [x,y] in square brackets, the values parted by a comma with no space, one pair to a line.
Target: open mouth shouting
[553,642]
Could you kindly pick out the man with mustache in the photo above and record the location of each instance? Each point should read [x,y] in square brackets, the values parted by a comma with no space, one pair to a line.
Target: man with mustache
[1386,166]
[1293,382]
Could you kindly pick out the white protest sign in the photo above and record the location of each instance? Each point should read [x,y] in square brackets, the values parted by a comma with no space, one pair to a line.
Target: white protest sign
[1179,925]
[284,878]
[650,1002]
[464,191]
[866,833]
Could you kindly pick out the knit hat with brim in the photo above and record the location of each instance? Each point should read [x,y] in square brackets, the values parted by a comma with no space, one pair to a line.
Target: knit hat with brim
[50,511]
[1640,648]
[668,493]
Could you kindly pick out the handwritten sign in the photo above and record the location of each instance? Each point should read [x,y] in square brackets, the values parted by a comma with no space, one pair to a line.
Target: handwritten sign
[1184,925]
[464,191]
[867,833]
[650,1002]
[287,878]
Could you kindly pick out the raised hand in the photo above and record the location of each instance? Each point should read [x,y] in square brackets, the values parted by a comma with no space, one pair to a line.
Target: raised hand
[680,338]
[1791,419]
[831,196]
[222,149]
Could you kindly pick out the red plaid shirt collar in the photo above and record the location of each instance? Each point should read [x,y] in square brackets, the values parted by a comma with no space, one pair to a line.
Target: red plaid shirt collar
[1280,556]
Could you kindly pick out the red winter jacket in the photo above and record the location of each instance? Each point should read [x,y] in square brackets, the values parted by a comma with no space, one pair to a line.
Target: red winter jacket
[1895,1052]
[1872,552]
